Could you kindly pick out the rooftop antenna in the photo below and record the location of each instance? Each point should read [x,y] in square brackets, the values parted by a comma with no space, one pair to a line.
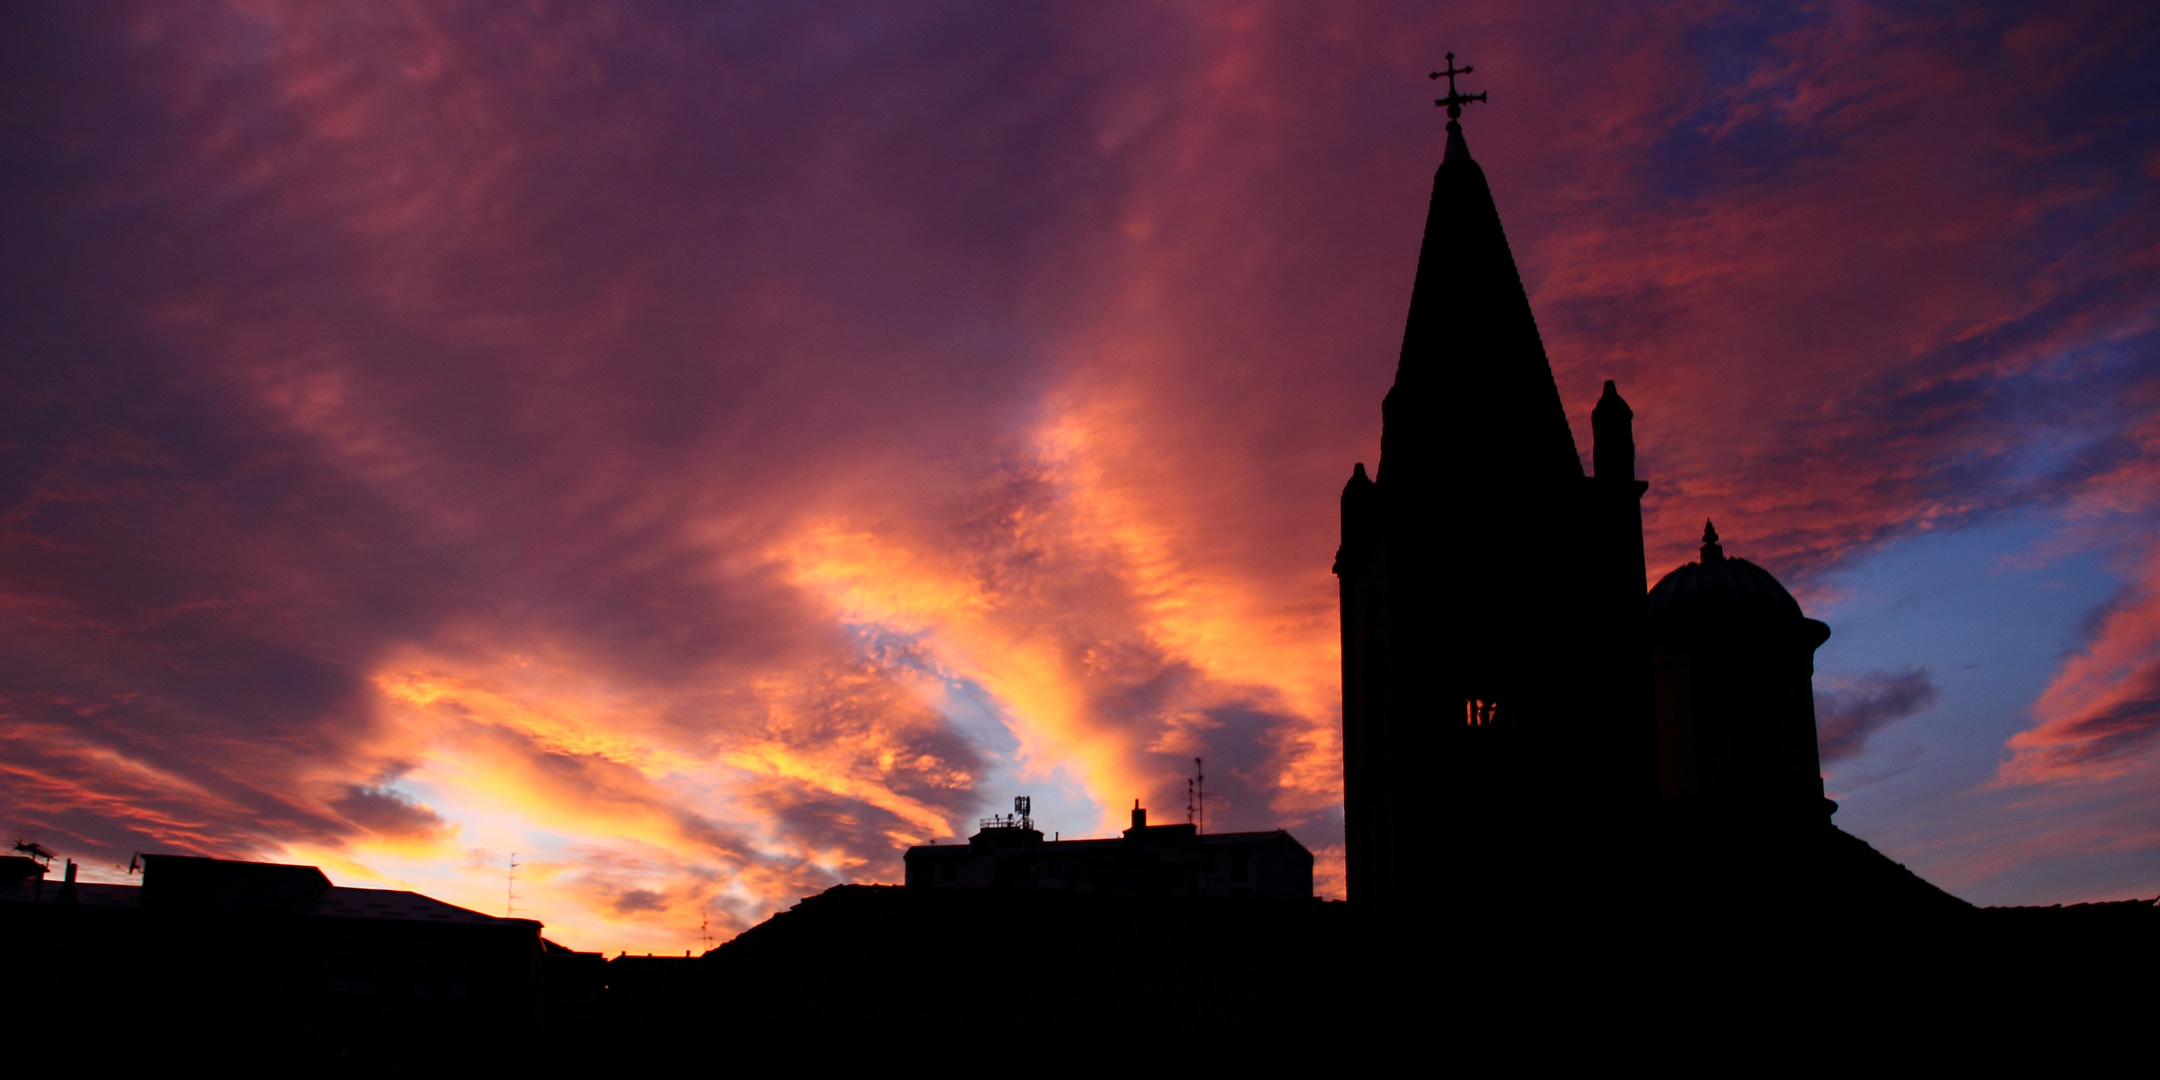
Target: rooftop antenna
[704,926]
[510,890]
[1019,818]
[37,852]
[1199,795]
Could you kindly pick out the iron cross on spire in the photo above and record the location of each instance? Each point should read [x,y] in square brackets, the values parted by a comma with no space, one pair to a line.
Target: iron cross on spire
[1455,101]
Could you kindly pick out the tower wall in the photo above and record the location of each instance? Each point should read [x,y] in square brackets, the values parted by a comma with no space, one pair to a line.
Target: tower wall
[1367,653]
[1495,676]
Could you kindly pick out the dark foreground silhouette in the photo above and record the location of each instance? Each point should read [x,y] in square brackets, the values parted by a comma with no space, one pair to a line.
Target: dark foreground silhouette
[1713,949]
[1682,975]
[1582,829]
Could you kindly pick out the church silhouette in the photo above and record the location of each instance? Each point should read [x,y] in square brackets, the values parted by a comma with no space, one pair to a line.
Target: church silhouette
[1585,818]
[1515,715]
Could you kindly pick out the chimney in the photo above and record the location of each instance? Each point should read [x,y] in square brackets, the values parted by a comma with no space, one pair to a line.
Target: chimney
[1139,816]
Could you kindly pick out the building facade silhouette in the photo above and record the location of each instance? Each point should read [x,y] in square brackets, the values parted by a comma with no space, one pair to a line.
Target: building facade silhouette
[264,967]
[1146,860]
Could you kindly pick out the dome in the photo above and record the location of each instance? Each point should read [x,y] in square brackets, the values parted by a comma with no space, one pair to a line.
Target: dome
[1721,594]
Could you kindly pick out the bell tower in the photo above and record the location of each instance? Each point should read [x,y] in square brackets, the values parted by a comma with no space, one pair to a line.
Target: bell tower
[1495,670]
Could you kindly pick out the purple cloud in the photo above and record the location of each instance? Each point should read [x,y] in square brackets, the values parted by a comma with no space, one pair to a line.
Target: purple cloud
[1849,711]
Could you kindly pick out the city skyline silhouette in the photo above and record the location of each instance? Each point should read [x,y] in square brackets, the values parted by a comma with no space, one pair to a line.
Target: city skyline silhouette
[707,458]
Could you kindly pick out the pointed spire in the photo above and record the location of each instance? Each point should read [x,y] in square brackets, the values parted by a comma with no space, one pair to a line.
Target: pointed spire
[1712,551]
[1474,393]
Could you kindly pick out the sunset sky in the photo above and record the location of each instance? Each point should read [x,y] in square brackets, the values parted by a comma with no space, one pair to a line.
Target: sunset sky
[705,448]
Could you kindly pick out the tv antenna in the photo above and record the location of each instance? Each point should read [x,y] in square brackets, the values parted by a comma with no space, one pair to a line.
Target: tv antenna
[1199,791]
[510,890]
[704,926]
[44,858]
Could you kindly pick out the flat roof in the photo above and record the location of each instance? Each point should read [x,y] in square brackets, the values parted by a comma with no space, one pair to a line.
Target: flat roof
[1114,843]
[336,902]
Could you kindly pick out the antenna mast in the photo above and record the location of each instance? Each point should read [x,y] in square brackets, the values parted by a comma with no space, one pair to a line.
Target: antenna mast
[510,890]
[1199,786]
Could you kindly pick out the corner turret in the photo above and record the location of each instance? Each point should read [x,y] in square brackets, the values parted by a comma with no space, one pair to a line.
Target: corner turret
[1612,431]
